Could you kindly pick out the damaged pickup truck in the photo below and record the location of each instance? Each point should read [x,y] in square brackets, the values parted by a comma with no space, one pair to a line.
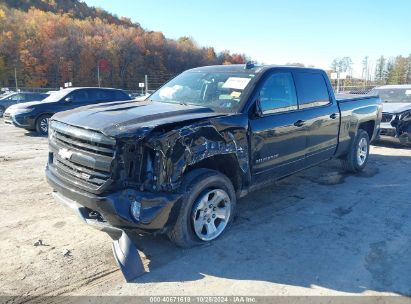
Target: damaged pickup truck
[396,113]
[177,162]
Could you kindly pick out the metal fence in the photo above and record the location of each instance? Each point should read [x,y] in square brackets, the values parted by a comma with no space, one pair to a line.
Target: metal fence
[353,89]
[151,83]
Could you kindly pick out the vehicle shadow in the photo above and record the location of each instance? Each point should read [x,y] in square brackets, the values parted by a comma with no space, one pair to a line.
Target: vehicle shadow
[34,134]
[321,227]
[389,144]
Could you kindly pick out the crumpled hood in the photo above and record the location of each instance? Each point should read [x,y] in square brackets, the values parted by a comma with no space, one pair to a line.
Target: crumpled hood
[395,107]
[123,119]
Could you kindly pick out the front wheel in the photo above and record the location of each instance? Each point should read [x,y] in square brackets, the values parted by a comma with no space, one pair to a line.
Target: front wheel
[42,124]
[207,209]
[2,111]
[357,156]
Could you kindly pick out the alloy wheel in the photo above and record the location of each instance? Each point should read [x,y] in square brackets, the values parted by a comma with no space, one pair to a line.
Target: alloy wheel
[210,214]
[362,151]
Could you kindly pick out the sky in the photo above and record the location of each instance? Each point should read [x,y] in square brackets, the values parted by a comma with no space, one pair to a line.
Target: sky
[313,32]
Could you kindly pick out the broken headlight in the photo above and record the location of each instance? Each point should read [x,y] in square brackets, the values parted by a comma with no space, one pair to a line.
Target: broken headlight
[405,115]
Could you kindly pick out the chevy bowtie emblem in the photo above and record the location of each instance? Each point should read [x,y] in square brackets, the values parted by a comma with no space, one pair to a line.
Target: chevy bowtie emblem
[85,175]
[65,154]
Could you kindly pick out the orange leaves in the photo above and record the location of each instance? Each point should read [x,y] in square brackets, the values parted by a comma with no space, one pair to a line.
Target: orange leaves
[62,43]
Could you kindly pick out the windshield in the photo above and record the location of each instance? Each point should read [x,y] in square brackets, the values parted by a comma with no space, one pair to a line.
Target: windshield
[393,95]
[6,96]
[56,96]
[219,91]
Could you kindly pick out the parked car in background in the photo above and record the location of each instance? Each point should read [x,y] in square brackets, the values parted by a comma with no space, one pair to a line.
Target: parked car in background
[14,98]
[396,117]
[35,115]
[177,162]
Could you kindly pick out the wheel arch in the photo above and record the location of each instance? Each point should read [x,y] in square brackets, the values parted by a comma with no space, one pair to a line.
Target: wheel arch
[226,164]
[368,126]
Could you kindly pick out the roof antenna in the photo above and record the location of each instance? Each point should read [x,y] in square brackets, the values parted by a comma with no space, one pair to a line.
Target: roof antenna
[249,65]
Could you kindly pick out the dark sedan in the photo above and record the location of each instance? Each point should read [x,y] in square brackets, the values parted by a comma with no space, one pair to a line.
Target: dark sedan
[14,98]
[35,115]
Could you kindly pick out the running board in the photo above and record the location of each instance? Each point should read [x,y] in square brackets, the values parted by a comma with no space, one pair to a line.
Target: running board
[127,257]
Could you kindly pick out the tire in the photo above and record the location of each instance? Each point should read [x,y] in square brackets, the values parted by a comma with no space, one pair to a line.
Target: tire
[2,110]
[42,124]
[355,161]
[196,221]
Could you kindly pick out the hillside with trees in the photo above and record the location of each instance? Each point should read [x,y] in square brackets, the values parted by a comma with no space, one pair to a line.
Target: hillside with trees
[50,42]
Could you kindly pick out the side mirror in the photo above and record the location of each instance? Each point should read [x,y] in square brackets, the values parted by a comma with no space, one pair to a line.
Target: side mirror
[68,99]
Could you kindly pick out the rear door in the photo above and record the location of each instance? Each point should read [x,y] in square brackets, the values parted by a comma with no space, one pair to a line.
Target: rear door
[277,136]
[116,95]
[321,115]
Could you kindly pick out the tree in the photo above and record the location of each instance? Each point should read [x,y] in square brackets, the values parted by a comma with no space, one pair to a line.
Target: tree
[52,42]
[365,69]
[298,64]
[397,73]
[380,70]
[342,65]
[408,76]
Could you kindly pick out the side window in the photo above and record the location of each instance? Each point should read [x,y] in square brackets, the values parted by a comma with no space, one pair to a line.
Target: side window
[32,97]
[16,97]
[111,95]
[38,97]
[79,96]
[24,97]
[278,94]
[311,90]
[99,95]
[120,95]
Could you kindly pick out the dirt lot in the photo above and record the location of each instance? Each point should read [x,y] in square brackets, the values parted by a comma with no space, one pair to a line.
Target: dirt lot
[319,232]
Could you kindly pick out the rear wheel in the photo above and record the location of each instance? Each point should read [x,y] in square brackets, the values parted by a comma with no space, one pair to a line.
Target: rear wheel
[2,109]
[357,157]
[42,124]
[207,209]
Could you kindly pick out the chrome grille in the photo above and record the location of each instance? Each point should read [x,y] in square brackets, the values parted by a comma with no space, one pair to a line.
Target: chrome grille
[81,157]
[386,117]
[7,118]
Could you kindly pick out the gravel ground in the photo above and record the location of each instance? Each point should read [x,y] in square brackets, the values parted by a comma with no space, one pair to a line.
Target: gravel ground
[319,232]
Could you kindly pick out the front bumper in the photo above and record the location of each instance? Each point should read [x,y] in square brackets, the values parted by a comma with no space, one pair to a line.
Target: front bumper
[389,133]
[111,212]
[19,120]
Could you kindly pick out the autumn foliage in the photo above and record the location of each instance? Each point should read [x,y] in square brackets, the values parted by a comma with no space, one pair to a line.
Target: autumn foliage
[49,48]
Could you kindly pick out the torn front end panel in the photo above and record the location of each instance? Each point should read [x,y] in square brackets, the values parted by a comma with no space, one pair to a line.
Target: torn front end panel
[402,124]
[175,151]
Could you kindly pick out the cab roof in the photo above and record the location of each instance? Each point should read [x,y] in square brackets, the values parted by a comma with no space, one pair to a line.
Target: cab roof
[241,68]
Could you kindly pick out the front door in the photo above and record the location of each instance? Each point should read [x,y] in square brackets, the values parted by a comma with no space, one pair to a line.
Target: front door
[278,136]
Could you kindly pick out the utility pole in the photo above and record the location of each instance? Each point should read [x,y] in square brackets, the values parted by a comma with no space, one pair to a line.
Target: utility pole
[146,83]
[98,73]
[338,82]
[15,79]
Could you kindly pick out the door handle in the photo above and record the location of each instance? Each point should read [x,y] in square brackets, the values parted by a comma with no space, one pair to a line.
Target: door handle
[333,116]
[299,123]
